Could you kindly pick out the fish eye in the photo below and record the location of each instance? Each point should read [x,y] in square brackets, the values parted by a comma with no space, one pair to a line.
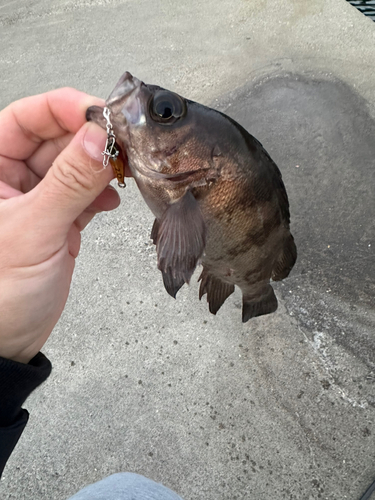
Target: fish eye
[166,107]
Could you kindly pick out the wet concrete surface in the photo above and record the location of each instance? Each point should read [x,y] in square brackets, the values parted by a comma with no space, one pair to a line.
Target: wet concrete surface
[284,405]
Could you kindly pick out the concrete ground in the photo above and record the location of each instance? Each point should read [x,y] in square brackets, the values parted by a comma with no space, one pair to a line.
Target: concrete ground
[282,407]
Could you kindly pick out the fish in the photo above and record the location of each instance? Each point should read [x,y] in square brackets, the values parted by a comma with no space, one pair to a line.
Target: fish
[217,196]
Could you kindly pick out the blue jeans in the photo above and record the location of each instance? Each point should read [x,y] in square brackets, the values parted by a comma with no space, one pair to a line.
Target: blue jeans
[125,486]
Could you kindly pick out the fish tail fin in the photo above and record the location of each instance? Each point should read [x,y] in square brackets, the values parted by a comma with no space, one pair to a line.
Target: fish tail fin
[217,290]
[262,302]
[285,260]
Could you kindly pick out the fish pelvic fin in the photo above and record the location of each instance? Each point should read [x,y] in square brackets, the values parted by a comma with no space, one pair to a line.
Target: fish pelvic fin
[285,260]
[154,231]
[180,241]
[263,302]
[217,290]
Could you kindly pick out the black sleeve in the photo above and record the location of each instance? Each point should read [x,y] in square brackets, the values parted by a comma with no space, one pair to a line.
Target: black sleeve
[17,381]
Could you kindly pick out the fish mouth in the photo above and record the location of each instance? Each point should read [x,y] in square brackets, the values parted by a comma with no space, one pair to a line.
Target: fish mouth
[118,100]
[126,99]
[124,87]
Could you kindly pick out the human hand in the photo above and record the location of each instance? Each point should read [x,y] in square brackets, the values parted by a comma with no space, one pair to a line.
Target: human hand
[52,183]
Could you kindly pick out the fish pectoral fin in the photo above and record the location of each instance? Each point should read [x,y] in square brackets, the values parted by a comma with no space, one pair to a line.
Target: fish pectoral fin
[260,301]
[180,242]
[172,284]
[217,290]
[285,260]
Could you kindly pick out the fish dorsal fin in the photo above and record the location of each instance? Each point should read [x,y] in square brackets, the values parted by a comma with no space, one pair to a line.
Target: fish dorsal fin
[180,242]
[285,260]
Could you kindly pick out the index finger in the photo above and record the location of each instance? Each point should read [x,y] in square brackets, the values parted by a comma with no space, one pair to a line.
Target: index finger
[26,123]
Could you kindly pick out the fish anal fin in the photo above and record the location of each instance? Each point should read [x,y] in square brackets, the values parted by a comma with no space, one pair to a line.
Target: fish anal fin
[217,290]
[180,241]
[264,302]
[285,260]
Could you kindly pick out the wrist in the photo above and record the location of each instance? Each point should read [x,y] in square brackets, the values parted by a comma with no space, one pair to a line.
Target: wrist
[19,357]
[15,350]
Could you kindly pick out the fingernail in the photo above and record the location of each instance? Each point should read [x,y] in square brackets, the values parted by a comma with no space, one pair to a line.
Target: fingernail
[94,141]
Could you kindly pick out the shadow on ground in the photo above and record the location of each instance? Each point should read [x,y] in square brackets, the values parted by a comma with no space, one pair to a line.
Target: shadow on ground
[321,135]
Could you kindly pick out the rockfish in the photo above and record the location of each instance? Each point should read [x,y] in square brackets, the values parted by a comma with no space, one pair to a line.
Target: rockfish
[217,196]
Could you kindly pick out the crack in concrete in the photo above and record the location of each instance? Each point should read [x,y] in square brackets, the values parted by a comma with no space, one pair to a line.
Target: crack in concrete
[320,349]
[26,14]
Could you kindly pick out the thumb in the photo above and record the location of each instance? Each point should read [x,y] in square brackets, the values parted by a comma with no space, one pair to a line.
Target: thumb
[74,181]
